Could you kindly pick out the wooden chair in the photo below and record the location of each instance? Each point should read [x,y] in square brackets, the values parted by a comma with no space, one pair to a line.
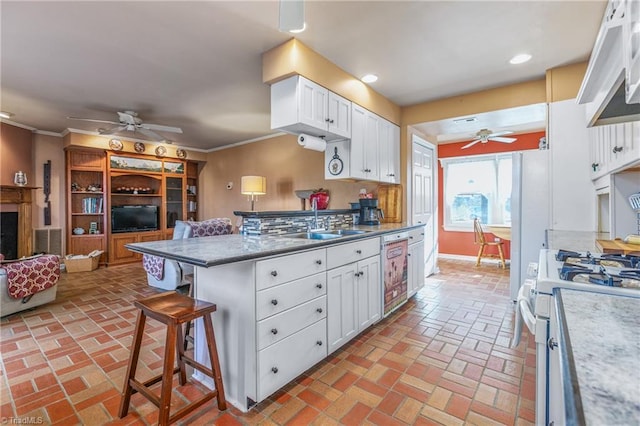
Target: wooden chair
[480,239]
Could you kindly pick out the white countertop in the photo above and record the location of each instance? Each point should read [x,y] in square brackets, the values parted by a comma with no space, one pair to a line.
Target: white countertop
[604,337]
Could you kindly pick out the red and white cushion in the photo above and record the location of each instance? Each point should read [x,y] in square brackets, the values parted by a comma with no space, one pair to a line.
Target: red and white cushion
[30,276]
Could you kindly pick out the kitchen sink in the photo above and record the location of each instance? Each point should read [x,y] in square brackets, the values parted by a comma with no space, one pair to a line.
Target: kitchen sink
[326,235]
[313,236]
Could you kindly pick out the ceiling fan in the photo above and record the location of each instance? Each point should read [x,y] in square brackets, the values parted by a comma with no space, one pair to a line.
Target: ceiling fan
[129,121]
[486,135]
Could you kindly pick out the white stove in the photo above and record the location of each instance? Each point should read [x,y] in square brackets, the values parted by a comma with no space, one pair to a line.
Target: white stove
[562,269]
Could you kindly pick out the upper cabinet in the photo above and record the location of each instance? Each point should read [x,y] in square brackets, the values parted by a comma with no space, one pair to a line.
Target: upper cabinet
[614,148]
[611,82]
[299,106]
[373,153]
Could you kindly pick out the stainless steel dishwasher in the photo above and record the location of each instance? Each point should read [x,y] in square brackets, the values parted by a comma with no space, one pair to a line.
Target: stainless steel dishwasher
[395,249]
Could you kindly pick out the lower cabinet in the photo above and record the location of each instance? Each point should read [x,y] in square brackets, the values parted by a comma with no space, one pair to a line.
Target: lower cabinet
[354,294]
[118,253]
[279,316]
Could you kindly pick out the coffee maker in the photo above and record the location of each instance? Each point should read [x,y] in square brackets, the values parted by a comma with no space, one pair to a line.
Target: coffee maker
[370,214]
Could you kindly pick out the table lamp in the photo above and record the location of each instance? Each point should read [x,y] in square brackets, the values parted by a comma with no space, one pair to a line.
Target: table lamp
[253,185]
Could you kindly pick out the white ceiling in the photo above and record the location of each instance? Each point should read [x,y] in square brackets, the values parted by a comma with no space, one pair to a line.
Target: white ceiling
[198,66]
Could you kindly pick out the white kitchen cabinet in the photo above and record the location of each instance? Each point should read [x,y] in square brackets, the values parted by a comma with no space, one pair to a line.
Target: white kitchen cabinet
[354,290]
[364,144]
[299,105]
[415,266]
[389,152]
[368,292]
[614,147]
[373,153]
[342,316]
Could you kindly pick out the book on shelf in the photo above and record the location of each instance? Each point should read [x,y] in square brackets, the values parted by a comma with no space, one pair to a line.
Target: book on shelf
[92,205]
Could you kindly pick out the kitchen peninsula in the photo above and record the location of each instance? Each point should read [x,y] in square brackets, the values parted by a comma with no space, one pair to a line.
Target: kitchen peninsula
[285,302]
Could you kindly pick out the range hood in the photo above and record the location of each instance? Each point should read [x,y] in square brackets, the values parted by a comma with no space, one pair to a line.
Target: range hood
[603,89]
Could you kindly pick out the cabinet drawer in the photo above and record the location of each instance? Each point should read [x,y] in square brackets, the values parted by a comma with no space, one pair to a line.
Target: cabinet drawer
[416,235]
[285,296]
[352,252]
[280,363]
[283,325]
[288,268]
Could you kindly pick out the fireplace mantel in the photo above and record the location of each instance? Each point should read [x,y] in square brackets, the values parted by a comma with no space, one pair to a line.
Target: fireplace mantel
[21,196]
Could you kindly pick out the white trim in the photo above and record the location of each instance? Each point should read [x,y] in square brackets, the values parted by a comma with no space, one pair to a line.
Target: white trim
[13,123]
[473,259]
[261,138]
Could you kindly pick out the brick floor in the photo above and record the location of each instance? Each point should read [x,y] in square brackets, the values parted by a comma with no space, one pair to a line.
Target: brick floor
[443,358]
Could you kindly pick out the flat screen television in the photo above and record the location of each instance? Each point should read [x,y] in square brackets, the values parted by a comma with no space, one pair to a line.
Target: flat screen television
[134,218]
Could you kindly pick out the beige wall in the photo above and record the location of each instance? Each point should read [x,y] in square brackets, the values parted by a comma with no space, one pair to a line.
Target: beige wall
[287,167]
[564,82]
[15,153]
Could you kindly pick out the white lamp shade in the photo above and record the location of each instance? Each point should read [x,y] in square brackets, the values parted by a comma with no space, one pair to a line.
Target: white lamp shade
[253,185]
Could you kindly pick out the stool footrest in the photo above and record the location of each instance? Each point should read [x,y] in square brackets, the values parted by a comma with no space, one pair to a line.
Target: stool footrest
[195,364]
[191,407]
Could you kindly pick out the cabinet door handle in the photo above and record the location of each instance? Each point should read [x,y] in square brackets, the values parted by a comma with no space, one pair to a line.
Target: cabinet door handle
[327,120]
[358,251]
[319,310]
[594,166]
[274,331]
[319,342]
[411,237]
[274,370]
[331,121]
[617,149]
[274,273]
[319,286]
[319,262]
[274,302]
[408,254]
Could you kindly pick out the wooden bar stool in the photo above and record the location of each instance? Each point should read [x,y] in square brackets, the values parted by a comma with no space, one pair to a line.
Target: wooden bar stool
[172,309]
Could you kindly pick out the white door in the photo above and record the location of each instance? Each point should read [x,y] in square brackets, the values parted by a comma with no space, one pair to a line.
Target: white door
[423,196]
[368,294]
[342,315]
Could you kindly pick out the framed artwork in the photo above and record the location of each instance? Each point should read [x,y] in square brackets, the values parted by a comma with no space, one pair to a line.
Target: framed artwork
[174,167]
[137,164]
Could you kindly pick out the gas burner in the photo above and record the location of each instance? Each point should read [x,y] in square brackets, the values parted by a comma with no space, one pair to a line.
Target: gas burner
[625,261]
[634,274]
[563,255]
[604,278]
[569,271]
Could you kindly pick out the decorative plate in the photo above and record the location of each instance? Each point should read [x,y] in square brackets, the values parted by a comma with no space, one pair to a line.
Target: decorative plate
[139,147]
[115,144]
[161,151]
[335,165]
[181,153]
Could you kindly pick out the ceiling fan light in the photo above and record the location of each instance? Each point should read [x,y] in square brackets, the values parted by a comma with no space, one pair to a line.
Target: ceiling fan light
[520,59]
[369,78]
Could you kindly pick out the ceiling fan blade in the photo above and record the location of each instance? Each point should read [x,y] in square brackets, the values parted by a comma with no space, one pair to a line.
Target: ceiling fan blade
[471,143]
[150,133]
[112,130]
[503,140]
[505,132]
[92,120]
[161,128]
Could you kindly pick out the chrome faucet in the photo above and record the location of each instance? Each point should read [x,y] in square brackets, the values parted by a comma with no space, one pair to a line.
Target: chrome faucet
[314,207]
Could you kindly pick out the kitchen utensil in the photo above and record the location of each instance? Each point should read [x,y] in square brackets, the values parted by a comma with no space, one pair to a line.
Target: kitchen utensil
[304,194]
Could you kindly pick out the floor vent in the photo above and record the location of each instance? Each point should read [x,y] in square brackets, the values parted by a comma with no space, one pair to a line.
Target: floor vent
[47,240]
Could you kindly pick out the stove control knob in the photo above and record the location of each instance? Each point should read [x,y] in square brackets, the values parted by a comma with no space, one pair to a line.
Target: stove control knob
[552,344]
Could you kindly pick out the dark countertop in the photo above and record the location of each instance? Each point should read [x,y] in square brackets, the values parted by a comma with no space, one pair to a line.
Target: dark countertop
[601,332]
[289,213]
[219,250]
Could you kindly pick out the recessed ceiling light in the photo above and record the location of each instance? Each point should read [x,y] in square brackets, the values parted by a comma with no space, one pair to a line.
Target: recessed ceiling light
[465,120]
[299,30]
[5,114]
[369,78]
[520,59]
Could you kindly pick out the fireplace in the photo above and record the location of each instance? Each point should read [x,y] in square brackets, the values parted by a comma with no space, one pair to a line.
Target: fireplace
[17,199]
[9,235]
